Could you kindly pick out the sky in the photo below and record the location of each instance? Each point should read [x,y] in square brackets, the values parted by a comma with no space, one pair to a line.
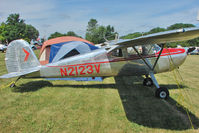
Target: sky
[127,16]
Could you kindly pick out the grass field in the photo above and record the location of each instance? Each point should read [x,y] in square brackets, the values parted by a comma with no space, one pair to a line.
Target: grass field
[118,104]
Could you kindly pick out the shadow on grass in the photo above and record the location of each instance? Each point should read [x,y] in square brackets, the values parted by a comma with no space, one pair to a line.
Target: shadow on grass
[174,86]
[139,103]
[32,86]
[95,86]
[36,85]
[143,108]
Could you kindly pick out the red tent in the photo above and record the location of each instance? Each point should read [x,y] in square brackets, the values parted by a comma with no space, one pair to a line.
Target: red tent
[45,50]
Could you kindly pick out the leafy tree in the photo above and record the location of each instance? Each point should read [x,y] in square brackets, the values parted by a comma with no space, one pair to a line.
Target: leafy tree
[193,42]
[92,24]
[91,33]
[56,34]
[132,35]
[110,33]
[72,33]
[31,33]
[97,34]
[156,30]
[15,31]
[179,25]
[15,28]
[14,19]
[3,32]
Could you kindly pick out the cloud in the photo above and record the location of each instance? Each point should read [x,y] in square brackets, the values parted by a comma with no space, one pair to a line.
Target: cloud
[153,16]
[28,10]
[126,16]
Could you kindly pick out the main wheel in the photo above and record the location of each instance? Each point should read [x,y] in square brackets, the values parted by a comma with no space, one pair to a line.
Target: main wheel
[162,93]
[147,82]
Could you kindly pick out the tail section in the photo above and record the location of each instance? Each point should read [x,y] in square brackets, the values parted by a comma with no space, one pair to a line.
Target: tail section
[20,59]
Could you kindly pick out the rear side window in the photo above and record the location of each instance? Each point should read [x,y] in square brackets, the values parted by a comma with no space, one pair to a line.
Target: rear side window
[69,54]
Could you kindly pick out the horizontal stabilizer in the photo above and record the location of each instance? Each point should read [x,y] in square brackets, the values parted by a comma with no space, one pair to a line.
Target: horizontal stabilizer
[17,74]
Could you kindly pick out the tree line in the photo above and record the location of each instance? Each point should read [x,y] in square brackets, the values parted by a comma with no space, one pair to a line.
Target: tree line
[95,33]
[58,34]
[16,28]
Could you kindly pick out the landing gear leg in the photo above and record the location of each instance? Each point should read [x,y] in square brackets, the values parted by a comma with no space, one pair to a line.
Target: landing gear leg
[13,84]
[161,92]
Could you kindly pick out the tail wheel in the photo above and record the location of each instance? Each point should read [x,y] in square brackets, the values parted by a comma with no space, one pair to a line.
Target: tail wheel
[162,93]
[147,82]
[12,85]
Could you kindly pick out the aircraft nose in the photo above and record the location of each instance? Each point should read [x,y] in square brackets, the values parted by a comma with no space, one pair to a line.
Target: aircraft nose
[179,57]
[189,50]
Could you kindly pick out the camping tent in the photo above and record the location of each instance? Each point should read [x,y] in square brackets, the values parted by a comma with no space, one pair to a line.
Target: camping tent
[60,48]
[63,47]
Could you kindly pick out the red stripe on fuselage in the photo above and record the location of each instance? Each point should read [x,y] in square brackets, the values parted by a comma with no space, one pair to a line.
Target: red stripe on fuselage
[81,64]
[165,52]
[171,51]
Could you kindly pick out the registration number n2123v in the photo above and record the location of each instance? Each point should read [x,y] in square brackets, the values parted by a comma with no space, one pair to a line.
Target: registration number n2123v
[80,70]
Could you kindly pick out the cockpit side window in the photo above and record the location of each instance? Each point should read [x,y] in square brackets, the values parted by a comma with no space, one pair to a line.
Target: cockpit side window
[132,52]
[143,50]
[69,54]
[117,53]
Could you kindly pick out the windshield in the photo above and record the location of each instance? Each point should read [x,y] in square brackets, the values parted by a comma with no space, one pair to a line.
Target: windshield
[156,48]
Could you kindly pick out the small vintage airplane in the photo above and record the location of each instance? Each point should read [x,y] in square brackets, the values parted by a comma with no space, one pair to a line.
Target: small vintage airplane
[133,57]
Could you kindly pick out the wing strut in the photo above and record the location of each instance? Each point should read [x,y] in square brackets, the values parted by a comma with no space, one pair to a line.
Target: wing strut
[142,58]
[147,63]
[156,61]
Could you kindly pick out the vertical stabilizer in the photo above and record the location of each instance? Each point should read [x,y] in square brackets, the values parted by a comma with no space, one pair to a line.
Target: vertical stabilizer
[20,59]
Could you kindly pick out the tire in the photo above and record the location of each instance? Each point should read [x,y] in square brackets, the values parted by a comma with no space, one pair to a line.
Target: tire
[147,82]
[162,93]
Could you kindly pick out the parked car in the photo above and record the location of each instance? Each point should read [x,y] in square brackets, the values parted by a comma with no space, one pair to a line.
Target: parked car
[33,47]
[195,52]
[3,48]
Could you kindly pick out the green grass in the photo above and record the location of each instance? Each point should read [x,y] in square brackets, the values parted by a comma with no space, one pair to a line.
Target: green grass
[114,105]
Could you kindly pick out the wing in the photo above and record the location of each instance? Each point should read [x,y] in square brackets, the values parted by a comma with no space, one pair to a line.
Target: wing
[163,37]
